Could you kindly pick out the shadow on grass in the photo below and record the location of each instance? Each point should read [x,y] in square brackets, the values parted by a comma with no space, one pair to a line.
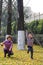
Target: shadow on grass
[38,51]
[18,59]
[15,58]
[23,60]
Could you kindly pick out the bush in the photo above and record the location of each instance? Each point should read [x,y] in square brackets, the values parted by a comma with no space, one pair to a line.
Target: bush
[39,38]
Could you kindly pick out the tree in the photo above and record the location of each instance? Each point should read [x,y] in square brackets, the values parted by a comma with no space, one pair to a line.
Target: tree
[21,15]
[14,14]
[21,37]
[40,27]
[9,17]
[0,13]
[35,26]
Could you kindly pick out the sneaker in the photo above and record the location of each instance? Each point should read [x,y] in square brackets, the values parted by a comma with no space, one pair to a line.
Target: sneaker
[27,51]
[12,53]
[31,57]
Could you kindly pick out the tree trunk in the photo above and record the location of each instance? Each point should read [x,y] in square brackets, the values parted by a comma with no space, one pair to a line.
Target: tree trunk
[21,33]
[0,14]
[9,17]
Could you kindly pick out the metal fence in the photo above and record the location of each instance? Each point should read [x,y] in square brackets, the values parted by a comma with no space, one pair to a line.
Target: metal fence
[34,17]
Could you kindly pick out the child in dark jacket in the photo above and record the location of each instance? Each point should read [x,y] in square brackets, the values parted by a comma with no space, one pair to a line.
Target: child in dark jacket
[8,46]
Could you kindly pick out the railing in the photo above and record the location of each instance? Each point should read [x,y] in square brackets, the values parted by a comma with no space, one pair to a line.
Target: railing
[34,17]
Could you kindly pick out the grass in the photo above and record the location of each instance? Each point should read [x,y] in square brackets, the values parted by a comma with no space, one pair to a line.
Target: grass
[21,57]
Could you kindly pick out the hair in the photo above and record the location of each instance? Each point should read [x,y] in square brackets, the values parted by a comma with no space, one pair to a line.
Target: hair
[29,33]
[9,37]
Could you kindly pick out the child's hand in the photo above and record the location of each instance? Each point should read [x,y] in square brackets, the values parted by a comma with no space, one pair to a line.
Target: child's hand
[1,44]
[10,49]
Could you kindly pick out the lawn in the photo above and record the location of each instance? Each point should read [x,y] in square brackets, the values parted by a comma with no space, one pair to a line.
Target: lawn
[21,57]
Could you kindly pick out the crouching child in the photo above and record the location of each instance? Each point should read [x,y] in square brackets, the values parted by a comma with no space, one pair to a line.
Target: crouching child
[8,44]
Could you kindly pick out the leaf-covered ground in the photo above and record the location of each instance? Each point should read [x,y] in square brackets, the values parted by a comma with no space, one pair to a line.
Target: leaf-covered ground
[21,57]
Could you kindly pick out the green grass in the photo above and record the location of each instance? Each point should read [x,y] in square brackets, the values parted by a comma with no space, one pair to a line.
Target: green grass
[21,57]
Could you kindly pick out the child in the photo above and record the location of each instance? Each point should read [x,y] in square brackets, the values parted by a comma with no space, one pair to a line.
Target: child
[8,46]
[30,44]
